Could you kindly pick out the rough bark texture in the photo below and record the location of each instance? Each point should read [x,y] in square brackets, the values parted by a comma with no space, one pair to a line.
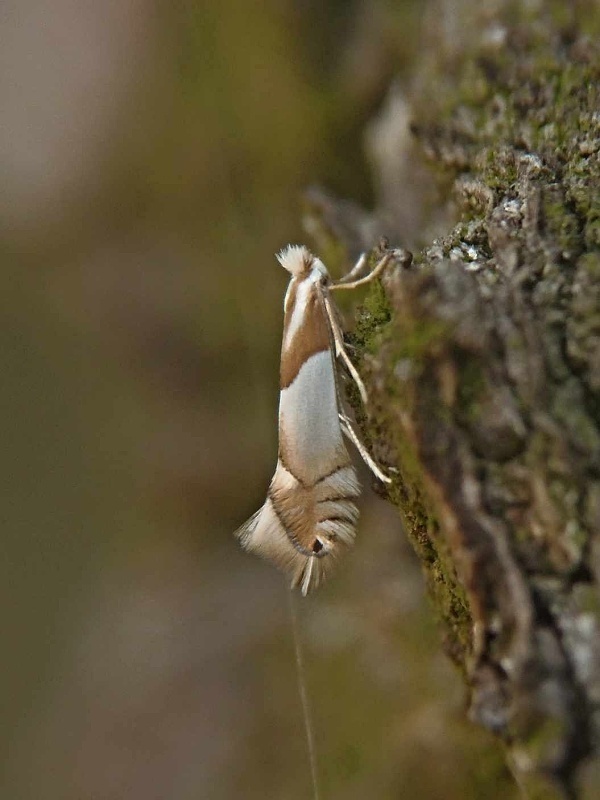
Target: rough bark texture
[484,364]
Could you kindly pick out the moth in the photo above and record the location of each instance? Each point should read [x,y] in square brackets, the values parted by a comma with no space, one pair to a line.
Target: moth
[310,514]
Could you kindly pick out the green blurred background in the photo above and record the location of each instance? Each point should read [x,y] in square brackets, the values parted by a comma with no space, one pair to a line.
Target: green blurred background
[153,160]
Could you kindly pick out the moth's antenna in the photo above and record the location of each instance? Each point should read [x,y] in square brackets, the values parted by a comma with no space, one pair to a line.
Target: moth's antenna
[306,714]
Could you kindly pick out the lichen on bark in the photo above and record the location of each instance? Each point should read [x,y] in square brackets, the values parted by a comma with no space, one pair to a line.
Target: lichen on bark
[484,370]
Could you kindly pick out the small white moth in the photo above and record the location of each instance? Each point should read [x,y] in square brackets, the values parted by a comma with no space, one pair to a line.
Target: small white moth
[310,514]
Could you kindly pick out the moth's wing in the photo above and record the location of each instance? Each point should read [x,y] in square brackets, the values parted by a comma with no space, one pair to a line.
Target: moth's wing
[264,535]
[244,533]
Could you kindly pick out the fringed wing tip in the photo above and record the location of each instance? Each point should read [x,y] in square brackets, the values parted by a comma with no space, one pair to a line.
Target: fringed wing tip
[310,574]
[244,533]
[303,579]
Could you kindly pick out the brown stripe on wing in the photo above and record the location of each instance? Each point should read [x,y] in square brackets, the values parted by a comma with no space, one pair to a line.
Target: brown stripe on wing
[333,472]
[332,462]
[287,468]
[289,531]
[312,336]
[336,497]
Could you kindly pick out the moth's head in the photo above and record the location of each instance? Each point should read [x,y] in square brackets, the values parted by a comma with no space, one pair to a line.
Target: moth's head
[300,262]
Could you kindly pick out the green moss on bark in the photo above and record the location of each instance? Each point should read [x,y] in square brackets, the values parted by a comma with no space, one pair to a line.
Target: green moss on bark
[487,384]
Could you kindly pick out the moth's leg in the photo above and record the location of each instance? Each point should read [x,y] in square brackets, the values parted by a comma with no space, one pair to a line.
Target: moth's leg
[356,270]
[347,428]
[346,283]
[403,256]
[340,347]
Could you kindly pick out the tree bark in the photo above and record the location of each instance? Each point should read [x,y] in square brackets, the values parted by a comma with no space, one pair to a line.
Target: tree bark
[483,361]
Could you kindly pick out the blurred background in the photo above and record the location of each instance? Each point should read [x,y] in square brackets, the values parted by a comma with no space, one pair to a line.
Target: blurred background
[153,159]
